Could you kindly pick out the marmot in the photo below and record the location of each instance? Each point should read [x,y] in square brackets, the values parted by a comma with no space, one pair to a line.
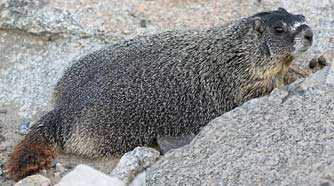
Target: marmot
[167,84]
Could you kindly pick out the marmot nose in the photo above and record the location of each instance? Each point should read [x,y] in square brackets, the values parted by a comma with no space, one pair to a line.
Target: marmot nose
[308,35]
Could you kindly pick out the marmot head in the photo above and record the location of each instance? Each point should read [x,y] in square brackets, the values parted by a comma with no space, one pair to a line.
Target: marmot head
[282,33]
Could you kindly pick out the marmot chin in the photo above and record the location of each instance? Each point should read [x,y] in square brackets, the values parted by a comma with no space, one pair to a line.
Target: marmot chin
[167,84]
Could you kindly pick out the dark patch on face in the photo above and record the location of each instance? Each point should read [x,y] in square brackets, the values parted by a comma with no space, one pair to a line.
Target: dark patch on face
[280,33]
[278,16]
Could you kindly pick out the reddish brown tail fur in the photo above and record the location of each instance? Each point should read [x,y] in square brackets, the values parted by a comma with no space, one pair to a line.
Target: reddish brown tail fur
[30,156]
[36,151]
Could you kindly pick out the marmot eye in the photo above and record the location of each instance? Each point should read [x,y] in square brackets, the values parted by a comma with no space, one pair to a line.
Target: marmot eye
[279,29]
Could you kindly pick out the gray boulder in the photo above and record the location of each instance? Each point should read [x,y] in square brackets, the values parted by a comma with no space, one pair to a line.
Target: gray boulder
[285,138]
[134,162]
[84,175]
[131,164]
[34,180]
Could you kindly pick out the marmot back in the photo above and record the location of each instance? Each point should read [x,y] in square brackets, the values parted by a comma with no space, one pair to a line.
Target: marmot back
[168,84]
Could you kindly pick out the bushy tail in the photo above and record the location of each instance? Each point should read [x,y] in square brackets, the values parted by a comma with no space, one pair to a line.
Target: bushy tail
[36,151]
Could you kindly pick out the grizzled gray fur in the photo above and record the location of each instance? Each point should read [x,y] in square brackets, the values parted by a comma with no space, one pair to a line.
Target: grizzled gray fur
[169,84]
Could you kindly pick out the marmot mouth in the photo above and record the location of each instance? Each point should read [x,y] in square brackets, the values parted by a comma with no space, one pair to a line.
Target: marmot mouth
[300,50]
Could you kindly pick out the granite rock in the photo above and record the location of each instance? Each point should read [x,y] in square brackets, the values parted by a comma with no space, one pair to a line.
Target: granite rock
[84,175]
[34,180]
[285,138]
[134,162]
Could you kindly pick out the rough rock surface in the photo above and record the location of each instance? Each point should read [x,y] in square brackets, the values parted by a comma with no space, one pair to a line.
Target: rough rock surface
[134,162]
[285,138]
[128,167]
[84,175]
[34,180]
[139,180]
[40,38]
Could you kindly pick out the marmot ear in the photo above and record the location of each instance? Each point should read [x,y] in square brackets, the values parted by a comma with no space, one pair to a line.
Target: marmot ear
[282,10]
[258,25]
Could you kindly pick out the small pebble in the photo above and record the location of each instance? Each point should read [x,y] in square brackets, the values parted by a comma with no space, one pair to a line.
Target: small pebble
[60,168]
[322,61]
[43,172]
[53,163]
[2,138]
[3,148]
[143,23]
[24,128]
[3,111]
[313,63]
[5,174]
[57,175]
[325,184]
[70,165]
[34,180]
